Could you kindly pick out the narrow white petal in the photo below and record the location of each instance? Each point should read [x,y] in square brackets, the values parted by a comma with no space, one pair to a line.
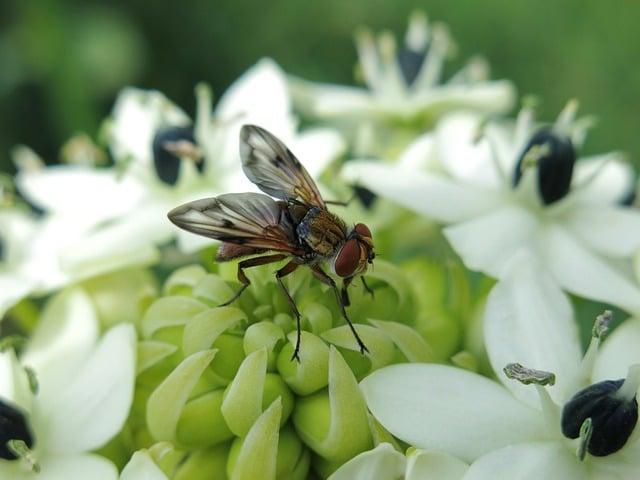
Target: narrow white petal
[425,465]
[608,230]
[317,148]
[75,467]
[603,179]
[74,189]
[65,337]
[381,463]
[584,273]
[94,404]
[431,195]
[420,154]
[488,243]
[529,461]
[436,407]
[618,352]
[142,467]
[13,288]
[14,384]
[529,320]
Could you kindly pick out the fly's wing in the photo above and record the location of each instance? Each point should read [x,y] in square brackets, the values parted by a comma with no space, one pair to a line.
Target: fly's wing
[269,164]
[248,219]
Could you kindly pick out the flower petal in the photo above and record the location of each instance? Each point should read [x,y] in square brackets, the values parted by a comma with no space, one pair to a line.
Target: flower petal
[381,463]
[529,320]
[618,352]
[583,273]
[14,384]
[13,288]
[65,337]
[614,179]
[95,403]
[62,467]
[141,467]
[317,148]
[488,243]
[436,407]
[98,194]
[611,231]
[529,461]
[431,195]
[425,465]
[420,154]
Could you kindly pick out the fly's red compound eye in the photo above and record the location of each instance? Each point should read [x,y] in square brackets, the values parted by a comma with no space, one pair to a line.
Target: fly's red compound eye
[347,259]
[362,230]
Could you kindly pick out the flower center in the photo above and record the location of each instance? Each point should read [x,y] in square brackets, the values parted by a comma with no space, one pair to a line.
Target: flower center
[13,430]
[170,147]
[553,157]
[609,409]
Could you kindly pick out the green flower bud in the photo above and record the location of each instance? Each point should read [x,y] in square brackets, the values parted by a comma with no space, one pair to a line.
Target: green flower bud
[333,422]
[182,281]
[205,464]
[264,335]
[201,422]
[312,372]
[255,455]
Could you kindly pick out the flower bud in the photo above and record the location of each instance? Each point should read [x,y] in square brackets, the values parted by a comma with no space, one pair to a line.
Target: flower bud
[264,335]
[204,464]
[613,416]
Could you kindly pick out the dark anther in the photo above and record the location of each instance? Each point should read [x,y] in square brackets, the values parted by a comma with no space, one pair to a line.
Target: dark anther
[165,160]
[366,196]
[554,162]
[13,426]
[410,63]
[613,417]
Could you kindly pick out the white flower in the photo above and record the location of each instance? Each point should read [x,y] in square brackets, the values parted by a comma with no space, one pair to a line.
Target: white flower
[142,467]
[514,430]
[386,463]
[570,217]
[85,390]
[405,85]
[103,219]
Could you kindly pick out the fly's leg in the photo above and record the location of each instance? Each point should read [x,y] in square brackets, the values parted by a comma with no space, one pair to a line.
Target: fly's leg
[367,288]
[248,263]
[283,272]
[327,280]
[344,293]
[339,203]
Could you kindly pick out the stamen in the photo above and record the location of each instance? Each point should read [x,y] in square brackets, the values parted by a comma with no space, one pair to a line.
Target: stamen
[33,379]
[368,59]
[204,101]
[393,81]
[629,388]
[431,70]
[528,376]
[586,432]
[533,156]
[417,36]
[564,122]
[598,332]
[20,449]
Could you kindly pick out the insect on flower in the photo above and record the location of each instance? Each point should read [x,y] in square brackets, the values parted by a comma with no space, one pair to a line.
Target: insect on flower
[297,226]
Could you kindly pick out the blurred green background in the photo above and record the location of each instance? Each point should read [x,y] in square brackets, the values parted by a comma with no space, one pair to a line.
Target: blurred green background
[62,62]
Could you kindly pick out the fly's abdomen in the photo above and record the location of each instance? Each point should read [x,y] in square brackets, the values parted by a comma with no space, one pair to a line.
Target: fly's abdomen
[322,231]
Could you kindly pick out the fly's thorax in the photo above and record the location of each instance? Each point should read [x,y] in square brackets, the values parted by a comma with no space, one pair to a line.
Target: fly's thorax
[322,231]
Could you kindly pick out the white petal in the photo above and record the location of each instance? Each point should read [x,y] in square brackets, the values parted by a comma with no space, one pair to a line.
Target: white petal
[425,465]
[614,179]
[463,153]
[529,461]
[62,467]
[608,230]
[583,273]
[331,101]
[529,320]
[14,384]
[258,97]
[142,467]
[137,114]
[13,288]
[381,463]
[436,407]
[618,352]
[488,243]
[431,195]
[65,337]
[98,194]
[93,405]
[317,148]
[420,154]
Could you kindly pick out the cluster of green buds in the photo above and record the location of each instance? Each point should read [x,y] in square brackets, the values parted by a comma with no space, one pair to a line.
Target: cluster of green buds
[218,395]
